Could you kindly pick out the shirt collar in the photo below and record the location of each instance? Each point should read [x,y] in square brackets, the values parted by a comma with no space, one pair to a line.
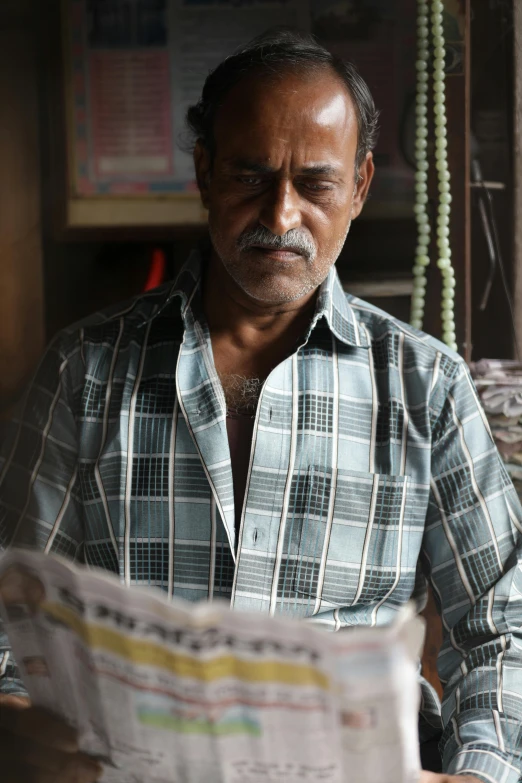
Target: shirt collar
[332,303]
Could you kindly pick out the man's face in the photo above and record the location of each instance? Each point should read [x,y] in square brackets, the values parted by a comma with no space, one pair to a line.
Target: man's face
[282,189]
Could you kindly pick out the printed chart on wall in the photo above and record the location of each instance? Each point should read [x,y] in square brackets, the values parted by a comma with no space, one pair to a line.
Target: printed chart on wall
[135,66]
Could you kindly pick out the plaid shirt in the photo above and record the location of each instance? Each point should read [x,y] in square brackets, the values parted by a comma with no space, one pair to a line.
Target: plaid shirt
[372,469]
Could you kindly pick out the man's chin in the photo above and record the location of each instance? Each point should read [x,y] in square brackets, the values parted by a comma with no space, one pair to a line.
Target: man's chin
[277,284]
[274,291]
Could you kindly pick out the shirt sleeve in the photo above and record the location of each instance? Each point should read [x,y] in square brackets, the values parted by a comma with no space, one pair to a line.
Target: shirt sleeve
[472,552]
[39,490]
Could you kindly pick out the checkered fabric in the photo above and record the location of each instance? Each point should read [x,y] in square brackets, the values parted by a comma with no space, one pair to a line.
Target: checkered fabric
[372,469]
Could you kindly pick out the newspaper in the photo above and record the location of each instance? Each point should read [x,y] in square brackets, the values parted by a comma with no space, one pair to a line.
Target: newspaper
[172,692]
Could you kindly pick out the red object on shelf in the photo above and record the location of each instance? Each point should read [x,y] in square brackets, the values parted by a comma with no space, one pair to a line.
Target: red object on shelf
[158,267]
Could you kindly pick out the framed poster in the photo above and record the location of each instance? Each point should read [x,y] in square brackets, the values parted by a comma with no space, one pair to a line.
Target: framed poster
[132,69]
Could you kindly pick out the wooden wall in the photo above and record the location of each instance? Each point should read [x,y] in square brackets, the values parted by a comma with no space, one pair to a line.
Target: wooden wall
[21,288]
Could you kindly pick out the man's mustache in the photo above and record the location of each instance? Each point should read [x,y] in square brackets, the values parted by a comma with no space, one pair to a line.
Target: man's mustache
[294,240]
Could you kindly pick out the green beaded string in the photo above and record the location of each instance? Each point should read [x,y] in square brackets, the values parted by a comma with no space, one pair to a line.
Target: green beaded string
[422,259]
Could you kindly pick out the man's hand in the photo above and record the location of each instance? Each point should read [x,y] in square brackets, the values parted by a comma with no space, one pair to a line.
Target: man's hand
[434,777]
[35,747]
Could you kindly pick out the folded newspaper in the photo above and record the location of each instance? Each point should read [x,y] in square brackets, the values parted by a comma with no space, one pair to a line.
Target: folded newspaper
[174,692]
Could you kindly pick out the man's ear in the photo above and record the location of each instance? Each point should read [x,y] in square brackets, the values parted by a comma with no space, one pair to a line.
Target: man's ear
[202,167]
[366,172]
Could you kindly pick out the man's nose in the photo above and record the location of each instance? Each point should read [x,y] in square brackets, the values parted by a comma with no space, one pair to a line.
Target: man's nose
[281,212]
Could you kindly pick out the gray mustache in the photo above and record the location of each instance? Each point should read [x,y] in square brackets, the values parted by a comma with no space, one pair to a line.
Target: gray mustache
[294,240]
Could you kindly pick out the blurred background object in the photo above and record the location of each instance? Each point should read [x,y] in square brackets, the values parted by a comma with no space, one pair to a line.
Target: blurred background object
[499,384]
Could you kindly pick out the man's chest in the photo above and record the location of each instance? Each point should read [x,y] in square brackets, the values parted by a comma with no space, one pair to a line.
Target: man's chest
[336,493]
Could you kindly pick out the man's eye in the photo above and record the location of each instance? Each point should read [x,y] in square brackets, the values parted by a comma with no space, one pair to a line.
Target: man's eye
[317,186]
[250,180]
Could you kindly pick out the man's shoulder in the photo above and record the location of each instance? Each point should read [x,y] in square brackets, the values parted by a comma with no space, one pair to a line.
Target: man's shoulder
[383,328]
[129,318]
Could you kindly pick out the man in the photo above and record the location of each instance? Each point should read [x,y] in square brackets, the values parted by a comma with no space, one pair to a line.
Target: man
[368,466]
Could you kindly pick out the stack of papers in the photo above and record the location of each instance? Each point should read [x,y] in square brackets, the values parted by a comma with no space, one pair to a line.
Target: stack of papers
[499,383]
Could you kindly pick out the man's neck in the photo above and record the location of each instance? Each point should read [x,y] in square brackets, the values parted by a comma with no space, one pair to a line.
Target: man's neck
[249,338]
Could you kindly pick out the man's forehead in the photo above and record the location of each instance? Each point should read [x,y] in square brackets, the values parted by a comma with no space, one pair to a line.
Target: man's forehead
[319,98]
[312,117]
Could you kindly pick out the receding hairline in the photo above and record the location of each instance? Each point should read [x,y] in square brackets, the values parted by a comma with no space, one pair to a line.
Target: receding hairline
[306,71]
[272,55]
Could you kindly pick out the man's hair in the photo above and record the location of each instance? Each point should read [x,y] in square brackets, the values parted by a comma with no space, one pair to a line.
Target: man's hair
[273,53]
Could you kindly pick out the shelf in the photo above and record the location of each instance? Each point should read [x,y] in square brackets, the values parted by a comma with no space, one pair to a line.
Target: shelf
[376,287]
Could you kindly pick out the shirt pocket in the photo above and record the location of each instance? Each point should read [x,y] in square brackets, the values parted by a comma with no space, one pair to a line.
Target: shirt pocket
[349,548]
